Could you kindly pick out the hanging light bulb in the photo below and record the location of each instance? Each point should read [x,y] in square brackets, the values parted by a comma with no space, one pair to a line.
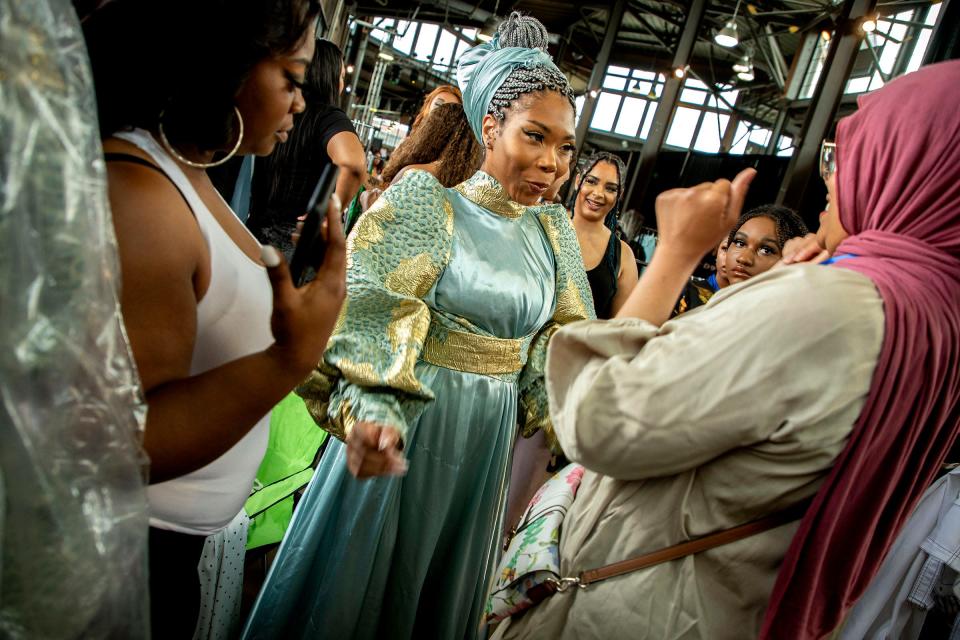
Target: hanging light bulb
[869,25]
[727,37]
[746,76]
[679,72]
[652,94]
[743,65]
[350,68]
[593,93]
[826,35]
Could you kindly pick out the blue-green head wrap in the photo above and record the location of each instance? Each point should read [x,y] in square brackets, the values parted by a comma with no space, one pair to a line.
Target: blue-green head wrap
[493,75]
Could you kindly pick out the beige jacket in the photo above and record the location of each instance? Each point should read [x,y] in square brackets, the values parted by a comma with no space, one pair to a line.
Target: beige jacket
[724,415]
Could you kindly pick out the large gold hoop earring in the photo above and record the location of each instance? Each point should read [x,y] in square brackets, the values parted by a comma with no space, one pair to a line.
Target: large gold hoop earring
[201,165]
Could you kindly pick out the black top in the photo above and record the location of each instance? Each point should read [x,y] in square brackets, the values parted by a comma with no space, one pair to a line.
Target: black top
[298,176]
[603,279]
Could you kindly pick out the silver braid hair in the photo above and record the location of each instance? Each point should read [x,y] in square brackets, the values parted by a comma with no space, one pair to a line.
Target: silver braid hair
[526,31]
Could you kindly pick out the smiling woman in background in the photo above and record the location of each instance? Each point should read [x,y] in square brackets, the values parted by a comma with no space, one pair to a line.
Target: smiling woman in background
[609,262]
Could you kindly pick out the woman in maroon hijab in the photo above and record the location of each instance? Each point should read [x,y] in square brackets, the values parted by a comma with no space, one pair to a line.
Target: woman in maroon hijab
[894,209]
[836,382]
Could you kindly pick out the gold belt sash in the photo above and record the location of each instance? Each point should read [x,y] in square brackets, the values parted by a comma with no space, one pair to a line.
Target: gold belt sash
[472,353]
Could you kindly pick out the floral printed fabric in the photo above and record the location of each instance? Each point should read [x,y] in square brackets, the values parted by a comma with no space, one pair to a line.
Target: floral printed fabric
[533,555]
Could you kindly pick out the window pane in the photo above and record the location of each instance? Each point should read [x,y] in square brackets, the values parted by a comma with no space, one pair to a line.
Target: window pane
[644,75]
[407,31]
[693,96]
[889,54]
[620,71]
[426,41]
[682,128]
[693,83]
[606,112]
[641,87]
[379,34]
[923,41]
[760,136]
[815,69]
[578,103]
[615,82]
[728,96]
[469,33]
[785,146]
[740,139]
[631,113]
[858,85]
[448,43]
[711,132]
[648,121]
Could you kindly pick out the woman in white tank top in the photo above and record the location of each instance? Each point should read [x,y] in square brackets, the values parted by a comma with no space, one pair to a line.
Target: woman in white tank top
[218,338]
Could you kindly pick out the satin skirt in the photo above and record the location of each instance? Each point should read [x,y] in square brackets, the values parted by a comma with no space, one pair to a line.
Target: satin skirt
[406,557]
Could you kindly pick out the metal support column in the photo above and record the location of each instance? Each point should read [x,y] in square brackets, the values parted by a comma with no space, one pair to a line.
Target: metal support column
[599,70]
[373,95]
[823,106]
[362,36]
[667,106]
[731,133]
[777,132]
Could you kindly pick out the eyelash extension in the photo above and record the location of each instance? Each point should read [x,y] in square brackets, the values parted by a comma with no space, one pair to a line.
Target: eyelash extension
[296,83]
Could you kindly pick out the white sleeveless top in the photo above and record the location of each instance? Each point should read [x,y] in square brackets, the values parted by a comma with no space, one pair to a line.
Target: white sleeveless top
[233,320]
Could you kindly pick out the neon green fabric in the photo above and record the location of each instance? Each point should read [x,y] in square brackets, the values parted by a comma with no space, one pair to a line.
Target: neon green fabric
[286,467]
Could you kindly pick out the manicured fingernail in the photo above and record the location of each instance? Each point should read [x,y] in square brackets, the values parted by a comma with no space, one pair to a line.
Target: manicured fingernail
[269,256]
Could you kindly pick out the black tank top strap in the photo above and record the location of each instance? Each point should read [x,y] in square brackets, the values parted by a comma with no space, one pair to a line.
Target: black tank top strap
[113,156]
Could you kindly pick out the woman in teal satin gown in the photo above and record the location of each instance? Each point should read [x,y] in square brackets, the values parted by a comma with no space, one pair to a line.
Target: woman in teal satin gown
[453,295]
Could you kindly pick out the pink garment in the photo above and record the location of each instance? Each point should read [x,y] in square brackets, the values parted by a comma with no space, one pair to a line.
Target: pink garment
[898,185]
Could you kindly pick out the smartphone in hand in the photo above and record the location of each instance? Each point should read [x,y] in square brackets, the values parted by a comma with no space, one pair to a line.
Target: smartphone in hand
[311,247]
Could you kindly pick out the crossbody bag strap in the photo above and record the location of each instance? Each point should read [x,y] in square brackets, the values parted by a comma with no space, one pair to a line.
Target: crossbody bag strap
[683,549]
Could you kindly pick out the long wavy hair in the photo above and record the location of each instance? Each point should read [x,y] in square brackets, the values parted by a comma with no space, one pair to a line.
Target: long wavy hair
[425,109]
[444,135]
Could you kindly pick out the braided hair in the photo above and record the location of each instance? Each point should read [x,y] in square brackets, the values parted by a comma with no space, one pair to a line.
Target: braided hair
[789,225]
[526,31]
[605,156]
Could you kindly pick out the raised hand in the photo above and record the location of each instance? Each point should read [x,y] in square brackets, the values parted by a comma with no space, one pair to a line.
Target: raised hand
[805,249]
[692,221]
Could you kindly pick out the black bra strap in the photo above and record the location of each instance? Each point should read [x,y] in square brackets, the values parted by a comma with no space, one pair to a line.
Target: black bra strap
[129,157]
